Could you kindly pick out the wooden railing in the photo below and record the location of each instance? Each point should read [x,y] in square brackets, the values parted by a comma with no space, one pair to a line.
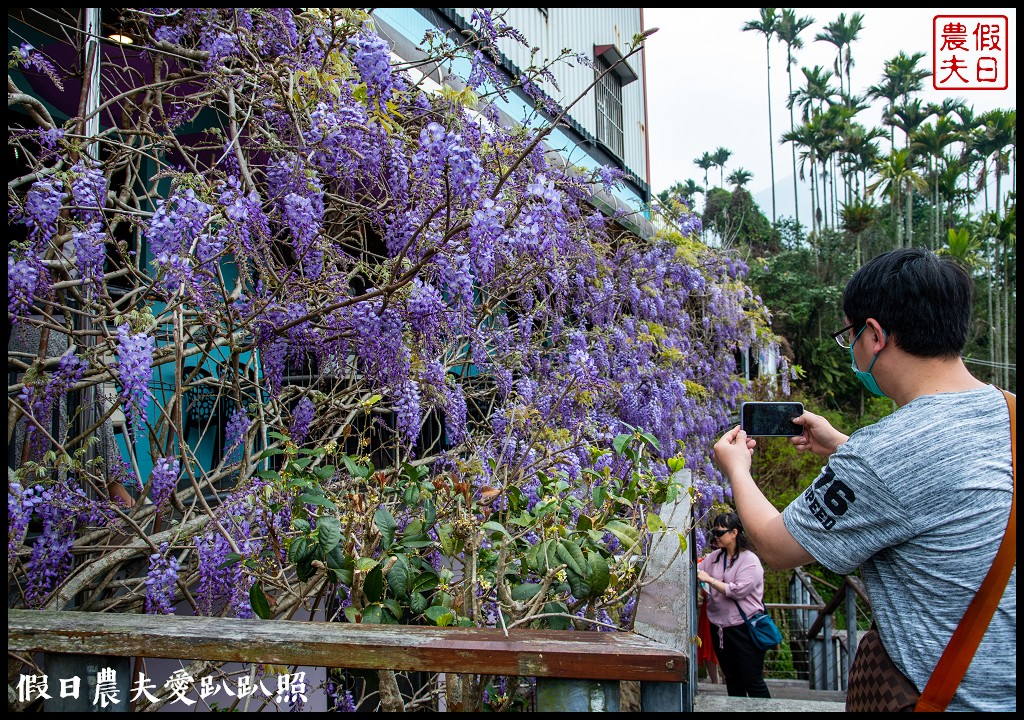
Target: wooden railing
[576,670]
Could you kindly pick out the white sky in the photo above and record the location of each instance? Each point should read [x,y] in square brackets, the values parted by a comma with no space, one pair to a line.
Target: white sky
[706,86]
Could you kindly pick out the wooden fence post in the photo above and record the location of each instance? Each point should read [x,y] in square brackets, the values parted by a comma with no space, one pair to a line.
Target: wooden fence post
[665,609]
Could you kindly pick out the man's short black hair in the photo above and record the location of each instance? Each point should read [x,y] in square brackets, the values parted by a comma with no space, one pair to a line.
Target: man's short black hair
[921,299]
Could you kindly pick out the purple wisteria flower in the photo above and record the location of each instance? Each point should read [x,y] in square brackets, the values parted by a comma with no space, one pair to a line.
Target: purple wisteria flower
[135,363]
[164,479]
[90,252]
[24,278]
[372,58]
[302,418]
[27,56]
[43,203]
[161,582]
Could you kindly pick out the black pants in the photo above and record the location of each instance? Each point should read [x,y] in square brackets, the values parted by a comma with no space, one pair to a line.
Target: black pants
[742,663]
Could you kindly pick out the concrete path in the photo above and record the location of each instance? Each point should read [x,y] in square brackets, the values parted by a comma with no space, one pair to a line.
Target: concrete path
[787,696]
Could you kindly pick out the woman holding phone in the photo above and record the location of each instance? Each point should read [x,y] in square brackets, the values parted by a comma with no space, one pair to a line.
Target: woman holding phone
[735,579]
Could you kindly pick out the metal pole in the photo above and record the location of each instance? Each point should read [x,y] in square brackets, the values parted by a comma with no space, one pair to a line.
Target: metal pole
[92,89]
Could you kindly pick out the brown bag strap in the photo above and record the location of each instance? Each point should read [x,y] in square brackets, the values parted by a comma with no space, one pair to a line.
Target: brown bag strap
[965,641]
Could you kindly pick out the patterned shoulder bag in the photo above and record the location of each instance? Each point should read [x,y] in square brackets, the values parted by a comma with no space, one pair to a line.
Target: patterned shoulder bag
[877,685]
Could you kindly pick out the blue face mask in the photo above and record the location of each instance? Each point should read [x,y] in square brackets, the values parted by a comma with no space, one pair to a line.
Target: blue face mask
[865,376]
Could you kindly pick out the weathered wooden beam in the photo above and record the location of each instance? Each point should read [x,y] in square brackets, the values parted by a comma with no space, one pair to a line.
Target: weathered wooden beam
[529,653]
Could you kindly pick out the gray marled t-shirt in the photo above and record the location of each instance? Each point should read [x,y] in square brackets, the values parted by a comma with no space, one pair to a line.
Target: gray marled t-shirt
[919,501]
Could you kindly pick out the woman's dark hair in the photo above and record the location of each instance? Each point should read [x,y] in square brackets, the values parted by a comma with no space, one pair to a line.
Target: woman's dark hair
[921,299]
[731,521]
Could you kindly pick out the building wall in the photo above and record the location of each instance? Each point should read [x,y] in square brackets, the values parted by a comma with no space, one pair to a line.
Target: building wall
[580,29]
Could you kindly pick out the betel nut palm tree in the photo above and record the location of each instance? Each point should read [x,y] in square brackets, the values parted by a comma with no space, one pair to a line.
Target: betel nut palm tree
[740,177]
[900,78]
[705,162]
[767,25]
[788,32]
[841,33]
[896,179]
[721,157]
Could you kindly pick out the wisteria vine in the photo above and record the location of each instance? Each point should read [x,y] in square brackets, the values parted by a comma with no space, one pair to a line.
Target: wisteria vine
[410,325]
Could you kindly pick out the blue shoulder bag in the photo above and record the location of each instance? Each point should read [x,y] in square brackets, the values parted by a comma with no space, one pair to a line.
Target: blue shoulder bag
[763,631]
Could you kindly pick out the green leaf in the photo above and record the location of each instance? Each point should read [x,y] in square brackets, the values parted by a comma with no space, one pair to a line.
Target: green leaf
[418,603]
[627,534]
[372,614]
[654,522]
[599,494]
[259,602]
[298,549]
[621,441]
[268,474]
[682,542]
[393,607]
[354,468]
[269,452]
[277,436]
[496,527]
[550,550]
[336,558]
[325,472]
[232,559]
[425,581]
[557,623]
[410,495]
[398,578]
[444,534]
[328,531]
[652,440]
[534,558]
[675,464]
[429,514]
[385,522]
[441,616]
[417,541]
[304,569]
[373,585]
[578,585]
[317,500]
[525,591]
[353,615]
[584,523]
[600,575]
[524,519]
[569,553]
[301,525]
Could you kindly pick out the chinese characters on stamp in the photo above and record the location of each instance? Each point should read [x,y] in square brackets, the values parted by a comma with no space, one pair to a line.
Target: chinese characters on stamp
[970,52]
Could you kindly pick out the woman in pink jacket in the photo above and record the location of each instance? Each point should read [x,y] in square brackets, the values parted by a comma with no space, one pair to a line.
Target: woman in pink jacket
[735,577]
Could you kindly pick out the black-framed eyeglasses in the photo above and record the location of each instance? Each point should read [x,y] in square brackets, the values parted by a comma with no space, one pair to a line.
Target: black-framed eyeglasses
[719,533]
[841,337]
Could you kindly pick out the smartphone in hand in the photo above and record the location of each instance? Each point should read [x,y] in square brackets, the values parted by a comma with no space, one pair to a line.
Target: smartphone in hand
[771,419]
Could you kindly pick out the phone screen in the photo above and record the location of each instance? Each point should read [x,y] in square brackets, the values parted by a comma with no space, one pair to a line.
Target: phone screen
[771,418]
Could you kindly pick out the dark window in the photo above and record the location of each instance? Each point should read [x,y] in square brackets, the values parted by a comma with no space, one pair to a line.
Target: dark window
[609,108]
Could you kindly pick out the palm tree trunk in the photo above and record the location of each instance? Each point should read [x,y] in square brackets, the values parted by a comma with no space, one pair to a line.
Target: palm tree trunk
[991,318]
[796,192]
[910,217]
[896,205]
[1006,322]
[771,136]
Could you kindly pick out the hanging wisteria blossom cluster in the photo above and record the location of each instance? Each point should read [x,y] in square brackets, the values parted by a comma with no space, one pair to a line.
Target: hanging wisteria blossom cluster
[362,334]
